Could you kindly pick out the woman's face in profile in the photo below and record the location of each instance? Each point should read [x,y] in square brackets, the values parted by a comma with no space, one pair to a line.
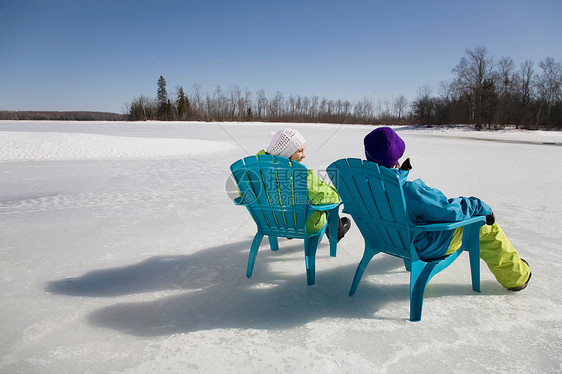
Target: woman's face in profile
[298,155]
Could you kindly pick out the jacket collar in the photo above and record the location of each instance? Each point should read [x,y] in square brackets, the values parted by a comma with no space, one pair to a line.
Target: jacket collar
[402,175]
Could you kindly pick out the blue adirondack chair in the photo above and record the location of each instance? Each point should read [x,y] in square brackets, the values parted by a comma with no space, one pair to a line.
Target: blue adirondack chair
[373,196]
[274,190]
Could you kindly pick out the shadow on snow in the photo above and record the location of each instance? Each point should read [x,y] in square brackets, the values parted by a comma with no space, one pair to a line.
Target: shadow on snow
[217,294]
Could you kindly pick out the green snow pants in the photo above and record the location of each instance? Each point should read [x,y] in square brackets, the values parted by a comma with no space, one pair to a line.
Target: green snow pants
[315,222]
[498,253]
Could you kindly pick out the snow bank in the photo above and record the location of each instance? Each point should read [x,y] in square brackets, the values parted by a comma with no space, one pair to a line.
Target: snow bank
[502,136]
[39,146]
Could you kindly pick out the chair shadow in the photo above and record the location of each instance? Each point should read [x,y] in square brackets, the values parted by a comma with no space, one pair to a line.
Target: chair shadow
[214,292]
[156,273]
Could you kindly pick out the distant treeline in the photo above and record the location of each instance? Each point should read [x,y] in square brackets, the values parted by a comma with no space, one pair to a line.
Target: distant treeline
[60,116]
[483,93]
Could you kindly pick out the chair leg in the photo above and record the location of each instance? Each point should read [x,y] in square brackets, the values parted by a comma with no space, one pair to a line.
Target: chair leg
[419,277]
[367,256]
[253,253]
[310,246]
[273,243]
[333,221]
[408,265]
[474,255]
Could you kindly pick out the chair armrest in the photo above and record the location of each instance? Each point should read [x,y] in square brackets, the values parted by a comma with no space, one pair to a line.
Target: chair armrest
[444,226]
[325,207]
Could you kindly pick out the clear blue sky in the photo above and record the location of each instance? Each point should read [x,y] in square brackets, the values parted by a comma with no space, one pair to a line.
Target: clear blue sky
[99,55]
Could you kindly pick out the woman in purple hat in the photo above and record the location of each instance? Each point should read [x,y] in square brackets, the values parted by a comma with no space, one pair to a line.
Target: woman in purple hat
[429,205]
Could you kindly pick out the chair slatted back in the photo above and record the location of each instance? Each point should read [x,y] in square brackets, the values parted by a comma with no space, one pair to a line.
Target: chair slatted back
[275,192]
[374,198]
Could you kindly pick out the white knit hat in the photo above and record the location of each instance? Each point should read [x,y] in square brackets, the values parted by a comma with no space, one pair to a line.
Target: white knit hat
[285,142]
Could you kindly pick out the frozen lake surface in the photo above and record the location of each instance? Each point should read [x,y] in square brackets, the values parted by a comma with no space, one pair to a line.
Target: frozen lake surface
[120,252]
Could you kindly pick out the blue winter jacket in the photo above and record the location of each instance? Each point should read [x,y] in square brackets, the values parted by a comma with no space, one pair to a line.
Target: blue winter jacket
[429,205]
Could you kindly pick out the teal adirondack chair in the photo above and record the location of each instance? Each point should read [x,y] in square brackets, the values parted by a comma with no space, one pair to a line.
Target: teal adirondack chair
[373,196]
[274,190]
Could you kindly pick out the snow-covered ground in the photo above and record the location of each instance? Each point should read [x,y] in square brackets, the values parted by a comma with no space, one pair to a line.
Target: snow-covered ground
[120,252]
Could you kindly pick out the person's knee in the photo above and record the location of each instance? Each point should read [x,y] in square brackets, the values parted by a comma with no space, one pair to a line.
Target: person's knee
[315,222]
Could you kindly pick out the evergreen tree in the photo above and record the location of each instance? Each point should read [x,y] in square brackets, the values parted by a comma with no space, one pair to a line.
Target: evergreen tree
[162,94]
[164,104]
[183,106]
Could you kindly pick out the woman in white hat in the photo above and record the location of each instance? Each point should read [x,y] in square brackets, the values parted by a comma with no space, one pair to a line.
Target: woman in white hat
[290,143]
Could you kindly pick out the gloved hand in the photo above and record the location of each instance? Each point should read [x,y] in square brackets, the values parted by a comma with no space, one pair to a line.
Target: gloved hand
[490,219]
[406,165]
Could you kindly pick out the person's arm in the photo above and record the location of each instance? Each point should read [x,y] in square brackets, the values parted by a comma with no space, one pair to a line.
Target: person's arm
[427,204]
[320,192]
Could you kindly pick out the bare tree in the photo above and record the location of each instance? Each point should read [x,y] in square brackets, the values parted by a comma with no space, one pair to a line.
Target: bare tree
[305,106]
[549,83]
[314,108]
[275,107]
[221,104]
[387,111]
[473,71]
[400,104]
[245,104]
[422,106]
[262,104]
[363,110]
[446,90]
[143,109]
[526,77]
[506,85]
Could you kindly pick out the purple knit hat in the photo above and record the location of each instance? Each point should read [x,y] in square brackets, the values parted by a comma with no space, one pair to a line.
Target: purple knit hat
[384,146]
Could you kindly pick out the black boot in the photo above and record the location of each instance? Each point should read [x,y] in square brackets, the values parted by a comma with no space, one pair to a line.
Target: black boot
[344,225]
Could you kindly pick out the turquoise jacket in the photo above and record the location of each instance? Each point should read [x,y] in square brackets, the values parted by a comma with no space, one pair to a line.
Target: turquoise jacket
[425,204]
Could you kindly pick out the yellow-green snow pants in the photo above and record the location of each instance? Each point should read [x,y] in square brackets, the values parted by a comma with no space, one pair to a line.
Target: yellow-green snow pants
[315,222]
[498,253]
